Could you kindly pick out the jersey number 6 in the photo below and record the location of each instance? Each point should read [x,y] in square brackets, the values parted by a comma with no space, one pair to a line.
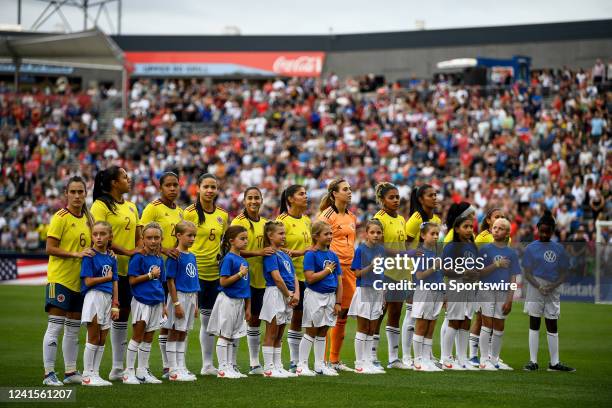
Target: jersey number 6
[211,236]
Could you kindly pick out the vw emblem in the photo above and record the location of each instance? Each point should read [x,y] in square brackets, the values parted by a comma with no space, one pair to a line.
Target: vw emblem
[498,258]
[550,256]
[287,266]
[326,263]
[191,270]
[151,268]
[106,270]
[468,254]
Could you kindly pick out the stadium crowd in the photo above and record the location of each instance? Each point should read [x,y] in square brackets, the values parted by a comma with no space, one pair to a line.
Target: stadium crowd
[523,148]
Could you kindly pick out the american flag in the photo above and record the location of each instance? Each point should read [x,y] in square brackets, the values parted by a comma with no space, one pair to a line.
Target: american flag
[23,271]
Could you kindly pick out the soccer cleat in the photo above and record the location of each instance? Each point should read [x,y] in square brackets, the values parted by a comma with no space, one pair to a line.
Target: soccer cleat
[302,370]
[560,367]
[256,371]
[129,377]
[93,380]
[375,369]
[436,363]
[340,366]
[102,380]
[362,367]
[208,370]
[272,372]
[288,374]
[398,364]
[180,376]
[146,377]
[487,365]
[166,373]
[116,374]
[376,363]
[237,371]
[474,361]
[326,371]
[531,366]
[51,380]
[227,372]
[418,366]
[503,366]
[72,378]
[188,373]
[407,361]
[432,366]
[450,364]
[467,366]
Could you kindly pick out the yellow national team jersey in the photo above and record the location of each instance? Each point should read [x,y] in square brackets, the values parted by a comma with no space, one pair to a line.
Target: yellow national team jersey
[208,240]
[413,227]
[298,238]
[394,237]
[124,222]
[167,218]
[255,231]
[485,237]
[449,236]
[344,230]
[73,235]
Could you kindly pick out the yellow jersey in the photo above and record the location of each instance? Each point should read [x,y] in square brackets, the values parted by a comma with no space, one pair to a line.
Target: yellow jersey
[485,237]
[73,235]
[207,243]
[124,222]
[166,217]
[413,227]
[394,238]
[344,229]
[298,235]
[255,231]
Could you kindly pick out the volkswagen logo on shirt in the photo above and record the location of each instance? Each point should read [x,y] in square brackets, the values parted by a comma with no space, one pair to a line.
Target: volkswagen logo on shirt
[468,254]
[550,256]
[191,270]
[151,269]
[498,258]
[327,263]
[246,277]
[106,270]
[287,266]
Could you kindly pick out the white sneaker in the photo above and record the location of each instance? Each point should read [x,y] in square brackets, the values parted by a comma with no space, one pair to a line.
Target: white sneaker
[51,380]
[375,369]
[408,362]
[73,378]
[286,373]
[451,364]
[419,366]
[398,364]
[188,373]
[362,367]
[487,365]
[208,370]
[467,366]
[503,366]
[104,382]
[302,370]
[227,372]
[146,377]
[116,374]
[431,366]
[93,380]
[236,370]
[180,376]
[326,371]
[272,372]
[256,371]
[340,366]
[129,377]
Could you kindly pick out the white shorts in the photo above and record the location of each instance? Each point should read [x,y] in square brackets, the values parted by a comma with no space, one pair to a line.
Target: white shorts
[227,317]
[97,303]
[367,303]
[537,304]
[274,306]
[188,302]
[460,304]
[427,304]
[318,309]
[491,302]
[151,315]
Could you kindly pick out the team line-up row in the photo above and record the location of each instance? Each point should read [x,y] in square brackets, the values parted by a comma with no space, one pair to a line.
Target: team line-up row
[106,263]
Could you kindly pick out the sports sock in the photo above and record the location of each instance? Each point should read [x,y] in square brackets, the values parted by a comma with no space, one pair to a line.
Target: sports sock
[132,353]
[181,346]
[305,347]
[393,335]
[278,356]
[474,339]
[253,339]
[163,340]
[496,345]
[98,359]
[336,340]
[144,351]
[449,338]
[55,324]
[407,332]
[319,351]
[70,344]
[89,357]
[207,340]
[534,344]
[268,356]
[171,354]
[417,343]
[360,346]
[223,347]
[444,352]
[462,343]
[485,337]
[553,347]
[427,344]
[119,332]
[293,339]
[374,349]
[368,353]
[233,350]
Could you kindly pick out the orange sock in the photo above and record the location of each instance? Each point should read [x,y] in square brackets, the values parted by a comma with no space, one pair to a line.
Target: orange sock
[337,337]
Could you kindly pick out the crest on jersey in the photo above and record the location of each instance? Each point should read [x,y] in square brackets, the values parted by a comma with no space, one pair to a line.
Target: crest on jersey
[352,226]
[287,266]
[61,298]
[245,277]
[327,263]
[151,269]
[131,209]
[220,220]
[550,256]
[468,254]
[106,269]
[191,270]
[498,258]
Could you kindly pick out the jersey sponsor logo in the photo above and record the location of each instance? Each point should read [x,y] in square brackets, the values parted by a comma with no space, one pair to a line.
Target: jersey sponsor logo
[498,258]
[61,298]
[106,270]
[191,270]
[151,268]
[468,254]
[246,277]
[327,263]
[287,266]
[550,256]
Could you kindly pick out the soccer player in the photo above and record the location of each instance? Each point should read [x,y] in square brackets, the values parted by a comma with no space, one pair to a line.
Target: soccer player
[293,205]
[99,286]
[545,264]
[109,205]
[146,273]
[321,299]
[254,252]
[423,202]
[394,230]
[501,266]
[281,296]
[182,303]
[334,211]
[167,214]
[211,222]
[233,305]
[68,241]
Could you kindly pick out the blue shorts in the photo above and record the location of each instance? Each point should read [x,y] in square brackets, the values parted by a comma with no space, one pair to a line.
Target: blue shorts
[208,294]
[59,296]
[256,300]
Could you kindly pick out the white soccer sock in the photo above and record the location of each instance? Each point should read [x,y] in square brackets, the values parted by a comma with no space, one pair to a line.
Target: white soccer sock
[119,333]
[268,357]
[278,356]
[163,340]
[294,339]
[444,352]
[374,341]
[553,347]
[223,347]
[462,343]
[368,353]
[207,340]
[89,357]
[360,346]
[144,351]
[427,345]
[474,339]
[181,346]
[496,345]
[448,340]
[253,340]
[305,347]
[171,355]
[393,335]
[407,332]
[70,344]
[55,324]
[417,343]
[485,337]
[319,351]
[233,358]
[132,353]
[534,344]
[98,359]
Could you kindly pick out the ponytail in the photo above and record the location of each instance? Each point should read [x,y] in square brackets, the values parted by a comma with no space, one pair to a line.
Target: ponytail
[382,189]
[231,233]
[329,199]
[288,192]
[102,187]
[415,203]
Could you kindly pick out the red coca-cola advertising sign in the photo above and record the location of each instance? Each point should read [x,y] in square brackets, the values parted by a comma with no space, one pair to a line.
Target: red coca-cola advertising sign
[289,64]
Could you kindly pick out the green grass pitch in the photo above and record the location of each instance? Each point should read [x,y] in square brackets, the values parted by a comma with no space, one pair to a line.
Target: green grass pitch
[585,343]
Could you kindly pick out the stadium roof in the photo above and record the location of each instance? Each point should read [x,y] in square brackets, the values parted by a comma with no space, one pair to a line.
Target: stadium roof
[87,49]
